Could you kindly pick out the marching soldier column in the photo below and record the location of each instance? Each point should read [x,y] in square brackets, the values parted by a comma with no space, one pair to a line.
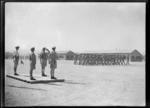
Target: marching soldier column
[95,59]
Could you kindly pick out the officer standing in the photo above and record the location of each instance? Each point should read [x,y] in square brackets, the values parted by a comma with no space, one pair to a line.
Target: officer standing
[32,59]
[53,62]
[43,60]
[16,60]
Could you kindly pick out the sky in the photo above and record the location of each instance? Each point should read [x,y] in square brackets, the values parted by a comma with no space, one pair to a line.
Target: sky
[75,26]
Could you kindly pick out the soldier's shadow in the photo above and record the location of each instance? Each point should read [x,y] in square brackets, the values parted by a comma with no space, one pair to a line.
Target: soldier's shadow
[52,83]
[26,75]
[61,83]
[72,82]
[21,87]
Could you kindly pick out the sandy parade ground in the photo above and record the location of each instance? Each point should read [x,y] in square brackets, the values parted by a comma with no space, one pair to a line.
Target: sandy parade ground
[83,86]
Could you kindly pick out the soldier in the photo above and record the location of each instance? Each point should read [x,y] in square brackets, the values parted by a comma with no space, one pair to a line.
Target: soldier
[95,60]
[43,60]
[92,60]
[121,60]
[127,60]
[16,60]
[78,57]
[83,59]
[75,59]
[88,59]
[101,59]
[115,58]
[105,59]
[32,59]
[124,57]
[98,59]
[53,62]
[109,59]
[118,62]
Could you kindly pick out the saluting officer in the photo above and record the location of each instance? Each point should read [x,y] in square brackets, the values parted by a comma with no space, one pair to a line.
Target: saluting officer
[16,60]
[32,59]
[43,60]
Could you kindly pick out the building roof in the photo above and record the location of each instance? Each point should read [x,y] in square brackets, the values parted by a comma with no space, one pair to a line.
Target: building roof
[64,52]
[109,51]
[137,52]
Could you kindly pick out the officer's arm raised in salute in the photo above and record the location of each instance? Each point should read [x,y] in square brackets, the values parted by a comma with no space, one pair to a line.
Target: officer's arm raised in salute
[47,50]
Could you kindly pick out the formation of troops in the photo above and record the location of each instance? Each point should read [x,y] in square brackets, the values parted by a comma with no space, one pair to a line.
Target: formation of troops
[94,59]
[45,57]
[81,59]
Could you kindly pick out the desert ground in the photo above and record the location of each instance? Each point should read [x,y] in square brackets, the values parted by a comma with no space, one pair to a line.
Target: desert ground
[83,86]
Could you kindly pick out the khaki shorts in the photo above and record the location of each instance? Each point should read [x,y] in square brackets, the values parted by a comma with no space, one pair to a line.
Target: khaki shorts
[16,63]
[43,63]
[32,65]
[53,65]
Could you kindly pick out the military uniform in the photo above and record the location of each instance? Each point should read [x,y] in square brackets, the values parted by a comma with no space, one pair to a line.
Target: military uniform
[80,59]
[43,58]
[53,57]
[32,59]
[127,60]
[53,62]
[75,59]
[16,61]
[16,58]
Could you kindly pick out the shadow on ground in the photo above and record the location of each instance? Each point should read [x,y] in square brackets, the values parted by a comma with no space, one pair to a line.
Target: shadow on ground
[25,87]
[72,82]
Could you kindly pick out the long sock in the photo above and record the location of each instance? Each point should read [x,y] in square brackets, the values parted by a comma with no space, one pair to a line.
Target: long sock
[14,70]
[31,73]
[42,71]
[51,73]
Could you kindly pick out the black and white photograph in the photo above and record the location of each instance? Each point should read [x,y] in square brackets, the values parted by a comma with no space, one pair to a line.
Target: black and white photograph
[75,54]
